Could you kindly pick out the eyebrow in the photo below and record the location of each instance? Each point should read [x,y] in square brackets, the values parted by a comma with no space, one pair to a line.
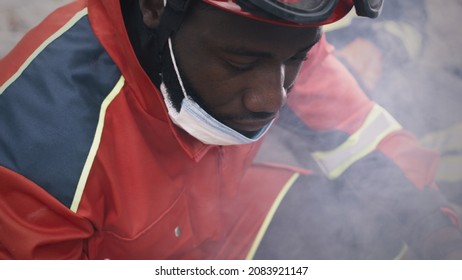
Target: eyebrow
[242,51]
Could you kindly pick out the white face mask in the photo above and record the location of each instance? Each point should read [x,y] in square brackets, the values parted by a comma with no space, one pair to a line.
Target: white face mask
[201,125]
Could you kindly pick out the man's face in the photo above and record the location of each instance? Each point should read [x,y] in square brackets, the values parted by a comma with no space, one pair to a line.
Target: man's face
[239,70]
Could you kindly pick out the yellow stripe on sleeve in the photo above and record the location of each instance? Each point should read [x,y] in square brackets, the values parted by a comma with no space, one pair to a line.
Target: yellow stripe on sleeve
[95,145]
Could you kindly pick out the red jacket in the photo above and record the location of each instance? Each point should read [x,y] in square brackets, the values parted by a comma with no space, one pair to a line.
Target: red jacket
[92,167]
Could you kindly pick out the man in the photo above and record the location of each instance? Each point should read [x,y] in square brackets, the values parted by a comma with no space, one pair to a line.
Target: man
[129,129]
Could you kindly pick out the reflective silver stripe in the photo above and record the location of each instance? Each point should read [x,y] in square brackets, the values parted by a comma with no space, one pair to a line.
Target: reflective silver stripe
[378,125]
[448,143]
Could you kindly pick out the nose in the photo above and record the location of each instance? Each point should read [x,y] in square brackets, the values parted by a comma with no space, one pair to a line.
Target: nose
[266,92]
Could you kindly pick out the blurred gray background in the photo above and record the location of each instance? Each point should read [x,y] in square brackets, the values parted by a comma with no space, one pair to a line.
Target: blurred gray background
[18,16]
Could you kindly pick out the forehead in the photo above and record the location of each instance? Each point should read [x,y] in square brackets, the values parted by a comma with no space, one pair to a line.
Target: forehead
[215,26]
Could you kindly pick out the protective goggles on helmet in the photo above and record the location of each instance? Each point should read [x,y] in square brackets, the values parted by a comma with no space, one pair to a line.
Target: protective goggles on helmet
[282,12]
[300,12]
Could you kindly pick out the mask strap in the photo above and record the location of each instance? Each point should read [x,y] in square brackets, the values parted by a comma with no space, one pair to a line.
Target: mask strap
[176,67]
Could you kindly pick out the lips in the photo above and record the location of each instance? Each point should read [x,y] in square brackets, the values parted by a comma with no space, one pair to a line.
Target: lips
[249,125]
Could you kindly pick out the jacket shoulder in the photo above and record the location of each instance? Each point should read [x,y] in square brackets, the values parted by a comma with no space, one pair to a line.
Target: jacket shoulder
[51,96]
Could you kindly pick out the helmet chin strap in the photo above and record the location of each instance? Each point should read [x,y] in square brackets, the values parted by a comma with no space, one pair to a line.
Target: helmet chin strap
[170,22]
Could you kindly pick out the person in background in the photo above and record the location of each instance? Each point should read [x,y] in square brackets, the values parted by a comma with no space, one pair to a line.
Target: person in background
[407,62]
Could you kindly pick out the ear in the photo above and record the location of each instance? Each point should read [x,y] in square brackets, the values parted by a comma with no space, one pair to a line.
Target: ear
[151,11]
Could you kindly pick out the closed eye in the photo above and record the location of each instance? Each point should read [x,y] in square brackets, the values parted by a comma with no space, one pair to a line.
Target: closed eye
[242,59]
[240,65]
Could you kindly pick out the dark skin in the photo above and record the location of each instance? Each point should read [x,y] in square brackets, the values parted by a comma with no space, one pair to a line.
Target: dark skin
[241,69]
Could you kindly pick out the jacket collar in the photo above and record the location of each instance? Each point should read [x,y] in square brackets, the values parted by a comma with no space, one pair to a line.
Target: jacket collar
[108,24]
